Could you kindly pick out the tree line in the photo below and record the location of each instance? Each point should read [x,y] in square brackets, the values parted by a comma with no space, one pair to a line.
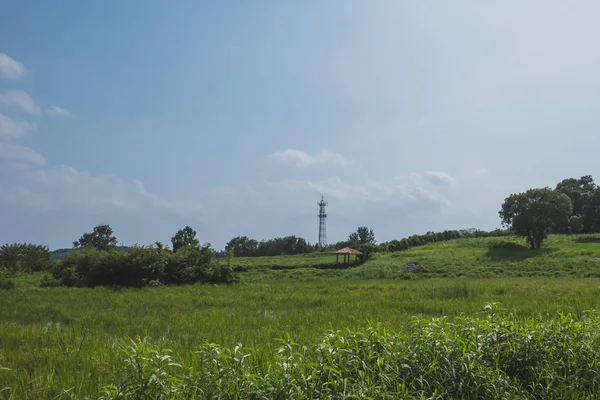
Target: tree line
[97,260]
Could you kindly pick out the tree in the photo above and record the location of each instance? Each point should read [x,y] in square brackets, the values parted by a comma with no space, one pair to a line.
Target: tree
[578,190]
[101,238]
[575,224]
[591,213]
[363,235]
[536,213]
[242,246]
[25,257]
[184,237]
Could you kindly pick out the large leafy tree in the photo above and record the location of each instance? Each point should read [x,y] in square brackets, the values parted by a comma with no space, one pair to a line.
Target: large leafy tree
[536,213]
[575,224]
[185,237]
[101,238]
[25,257]
[578,190]
[363,235]
[591,213]
[242,246]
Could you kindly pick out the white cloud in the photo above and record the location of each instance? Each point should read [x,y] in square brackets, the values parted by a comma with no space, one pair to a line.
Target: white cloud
[21,99]
[300,158]
[10,128]
[64,186]
[439,178]
[19,156]
[401,191]
[9,68]
[56,111]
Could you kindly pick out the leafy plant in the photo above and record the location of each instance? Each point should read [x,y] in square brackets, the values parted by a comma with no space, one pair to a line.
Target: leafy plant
[498,356]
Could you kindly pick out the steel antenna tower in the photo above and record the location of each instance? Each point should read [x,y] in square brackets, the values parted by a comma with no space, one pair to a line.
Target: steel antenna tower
[322,217]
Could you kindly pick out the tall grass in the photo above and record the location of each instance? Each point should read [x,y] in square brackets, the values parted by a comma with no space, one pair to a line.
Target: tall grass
[55,339]
[500,356]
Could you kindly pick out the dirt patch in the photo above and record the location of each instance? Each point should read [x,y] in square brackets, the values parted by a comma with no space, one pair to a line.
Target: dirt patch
[412,266]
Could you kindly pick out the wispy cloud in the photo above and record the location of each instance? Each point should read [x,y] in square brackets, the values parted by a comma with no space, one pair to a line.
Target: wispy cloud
[10,128]
[20,99]
[300,158]
[9,68]
[19,156]
[401,191]
[56,111]
[64,186]
[439,178]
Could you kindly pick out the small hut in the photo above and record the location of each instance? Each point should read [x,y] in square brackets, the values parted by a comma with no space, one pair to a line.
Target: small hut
[347,252]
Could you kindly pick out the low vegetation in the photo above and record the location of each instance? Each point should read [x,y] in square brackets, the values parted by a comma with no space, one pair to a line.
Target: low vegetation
[500,356]
[64,340]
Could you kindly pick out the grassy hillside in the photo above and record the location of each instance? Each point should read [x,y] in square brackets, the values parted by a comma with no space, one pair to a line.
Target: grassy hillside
[561,255]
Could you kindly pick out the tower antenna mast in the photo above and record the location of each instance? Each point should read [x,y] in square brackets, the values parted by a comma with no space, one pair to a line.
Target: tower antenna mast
[322,217]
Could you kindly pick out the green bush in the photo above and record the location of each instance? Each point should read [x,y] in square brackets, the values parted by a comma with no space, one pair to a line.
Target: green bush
[49,281]
[486,358]
[6,283]
[25,257]
[140,266]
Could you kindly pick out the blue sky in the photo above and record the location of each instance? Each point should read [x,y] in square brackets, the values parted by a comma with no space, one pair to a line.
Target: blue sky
[234,117]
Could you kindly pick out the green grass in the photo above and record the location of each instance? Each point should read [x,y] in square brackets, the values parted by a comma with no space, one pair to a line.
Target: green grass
[283,262]
[561,256]
[496,356]
[56,339]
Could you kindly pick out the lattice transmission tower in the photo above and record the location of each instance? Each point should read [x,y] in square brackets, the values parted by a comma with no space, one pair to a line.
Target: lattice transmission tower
[322,217]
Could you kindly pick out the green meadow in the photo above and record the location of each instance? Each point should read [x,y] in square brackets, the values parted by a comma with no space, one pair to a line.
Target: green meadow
[70,342]
[561,256]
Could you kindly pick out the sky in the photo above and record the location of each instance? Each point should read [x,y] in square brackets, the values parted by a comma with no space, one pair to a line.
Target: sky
[234,117]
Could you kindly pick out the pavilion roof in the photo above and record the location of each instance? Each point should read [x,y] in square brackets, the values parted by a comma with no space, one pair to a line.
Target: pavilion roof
[348,250]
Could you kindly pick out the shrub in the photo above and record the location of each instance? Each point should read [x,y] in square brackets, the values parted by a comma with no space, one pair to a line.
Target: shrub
[25,257]
[49,281]
[6,283]
[140,266]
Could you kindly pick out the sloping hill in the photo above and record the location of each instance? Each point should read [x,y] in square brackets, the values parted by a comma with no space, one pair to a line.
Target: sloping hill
[561,255]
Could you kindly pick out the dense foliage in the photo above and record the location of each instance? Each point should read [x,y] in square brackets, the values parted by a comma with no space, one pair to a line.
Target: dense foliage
[242,246]
[585,198]
[362,235]
[498,356]
[101,238]
[140,266]
[578,190]
[433,237]
[536,213]
[24,257]
[184,237]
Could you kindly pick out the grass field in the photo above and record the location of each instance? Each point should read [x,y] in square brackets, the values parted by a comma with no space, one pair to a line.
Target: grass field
[55,339]
[561,256]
